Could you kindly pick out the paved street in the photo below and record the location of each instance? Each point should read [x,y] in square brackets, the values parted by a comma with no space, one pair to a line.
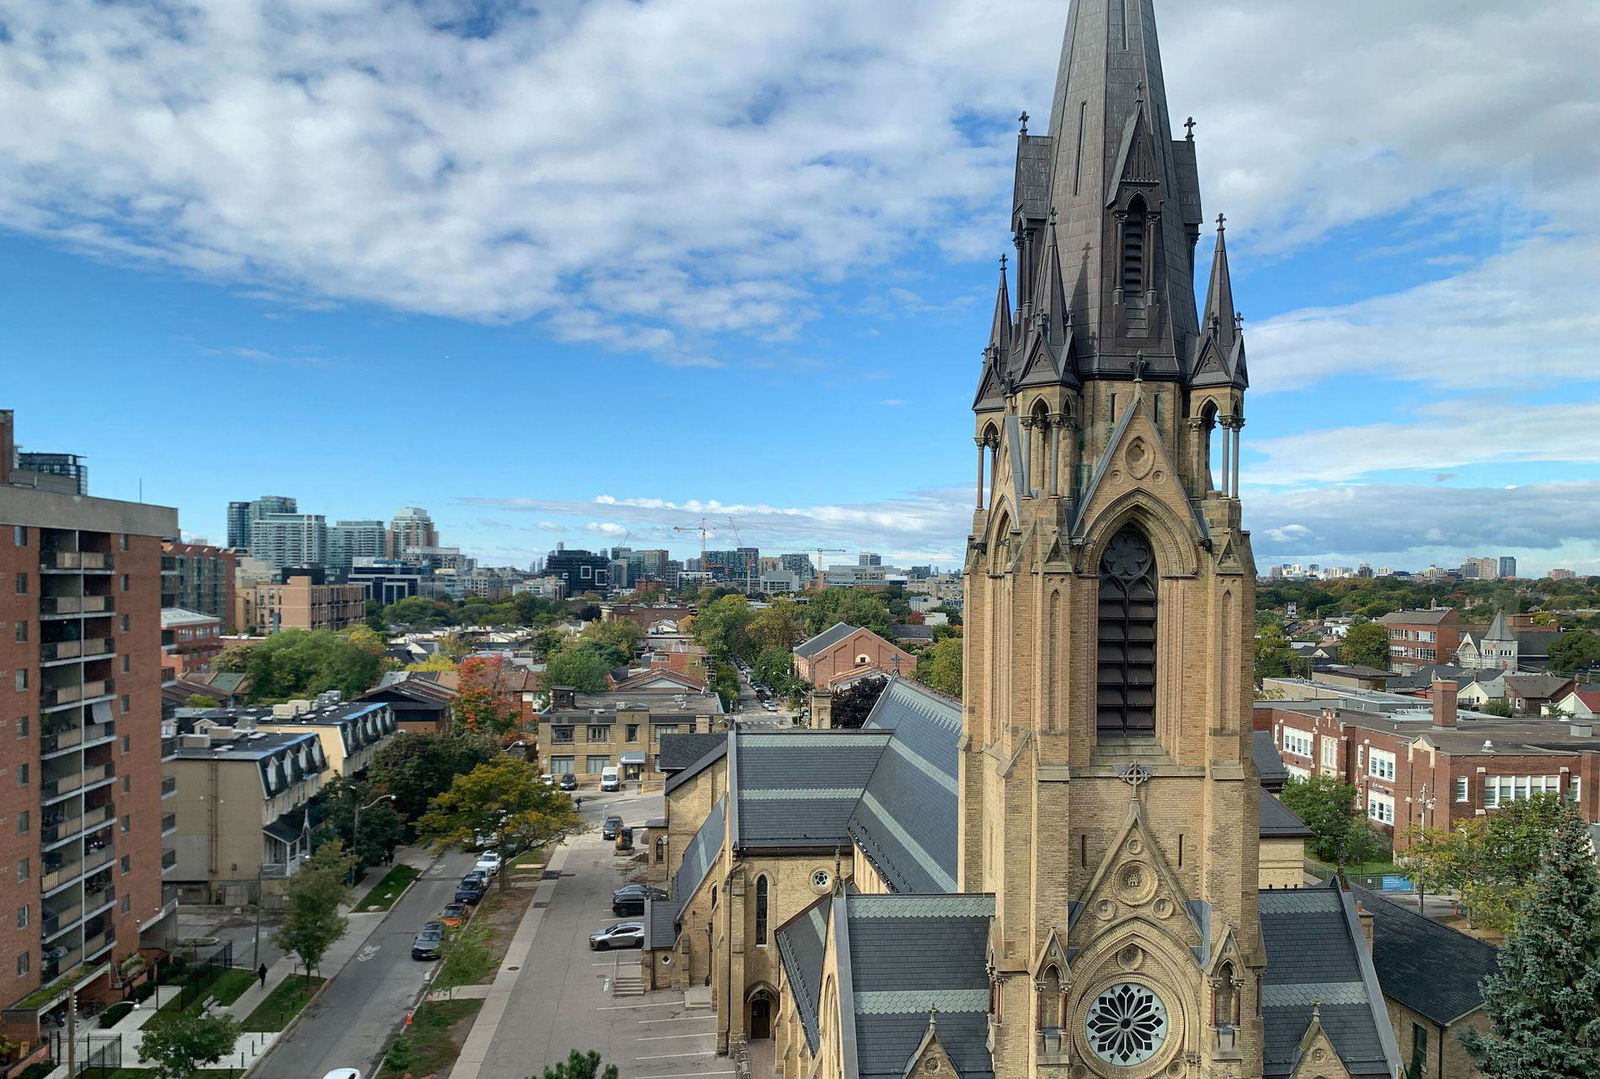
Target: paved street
[367,1000]
[561,998]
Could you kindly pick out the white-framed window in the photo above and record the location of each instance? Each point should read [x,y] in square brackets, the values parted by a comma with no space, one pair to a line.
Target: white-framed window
[1499,790]
[1296,742]
[1574,788]
[1297,772]
[1330,754]
[1463,789]
[1380,764]
[1380,807]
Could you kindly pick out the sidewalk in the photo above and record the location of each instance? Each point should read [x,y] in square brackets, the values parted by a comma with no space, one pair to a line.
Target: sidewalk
[251,1046]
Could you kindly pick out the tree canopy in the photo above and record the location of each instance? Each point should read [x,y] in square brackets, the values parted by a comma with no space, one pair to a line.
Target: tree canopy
[579,1065]
[303,663]
[1574,651]
[415,767]
[178,1045]
[1339,831]
[1489,861]
[311,921]
[381,827]
[580,664]
[505,801]
[1366,643]
[1544,1000]
[939,666]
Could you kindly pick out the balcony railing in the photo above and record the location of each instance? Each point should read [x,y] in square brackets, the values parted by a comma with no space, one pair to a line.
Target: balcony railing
[101,687]
[98,943]
[169,823]
[69,560]
[76,736]
[169,748]
[70,782]
[169,786]
[93,647]
[66,829]
[75,604]
[104,896]
[60,920]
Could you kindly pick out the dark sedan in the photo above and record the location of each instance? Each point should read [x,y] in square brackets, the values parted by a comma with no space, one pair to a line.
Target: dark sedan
[426,944]
[629,899]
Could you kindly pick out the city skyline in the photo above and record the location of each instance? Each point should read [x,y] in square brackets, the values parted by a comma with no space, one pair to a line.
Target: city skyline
[1413,403]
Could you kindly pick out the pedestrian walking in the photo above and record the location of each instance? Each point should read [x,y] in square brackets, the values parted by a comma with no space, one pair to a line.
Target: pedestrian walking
[261,975]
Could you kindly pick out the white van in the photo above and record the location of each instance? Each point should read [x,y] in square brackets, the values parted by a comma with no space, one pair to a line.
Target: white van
[609,779]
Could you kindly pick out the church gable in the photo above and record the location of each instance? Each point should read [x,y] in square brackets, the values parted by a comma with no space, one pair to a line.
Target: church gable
[1135,881]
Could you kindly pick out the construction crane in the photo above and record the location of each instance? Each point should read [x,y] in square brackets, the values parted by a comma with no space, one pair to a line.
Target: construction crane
[704,528]
[819,552]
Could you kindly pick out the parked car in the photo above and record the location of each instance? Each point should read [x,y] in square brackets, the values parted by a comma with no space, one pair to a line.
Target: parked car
[548,779]
[609,828]
[426,944]
[471,888]
[621,935]
[629,899]
[453,915]
[769,706]
[488,864]
[344,1073]
[569,781]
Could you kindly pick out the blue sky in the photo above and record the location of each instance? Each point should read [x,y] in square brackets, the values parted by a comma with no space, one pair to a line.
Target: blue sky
[591,270]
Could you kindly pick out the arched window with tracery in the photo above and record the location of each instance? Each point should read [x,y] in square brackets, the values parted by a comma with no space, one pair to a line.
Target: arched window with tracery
[1225,998]
[761,910]
[1126,683]
[1133,230]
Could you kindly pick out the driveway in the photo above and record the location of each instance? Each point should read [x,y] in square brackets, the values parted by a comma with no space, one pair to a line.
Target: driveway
[369,998]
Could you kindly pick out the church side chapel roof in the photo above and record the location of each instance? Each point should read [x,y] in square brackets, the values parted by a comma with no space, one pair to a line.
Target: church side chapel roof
[1278,821]
[1317,958]
[701,854]
[907,819]
[1269,763]
[1428,967]
[802,947]
[798,789]
[909,956]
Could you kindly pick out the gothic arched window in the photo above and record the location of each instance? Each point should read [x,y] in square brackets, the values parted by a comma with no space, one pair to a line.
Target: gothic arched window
[761,910]
[1049,1017]
[1133,247]
[1126,684]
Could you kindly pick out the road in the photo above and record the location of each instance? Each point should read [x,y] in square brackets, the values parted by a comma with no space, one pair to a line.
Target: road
[561,1000]
[367,1000]
[751,713]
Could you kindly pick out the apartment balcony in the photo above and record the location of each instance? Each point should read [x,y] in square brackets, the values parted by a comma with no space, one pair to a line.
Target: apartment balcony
[57,960]
[68,872]
[169,748]
[64,651]
[74,781]
[99,900]
[59,921]
[72,827]
[169,859]
[102,941]
[169,786]
[76,737]
[62,696]
[75,562]
[72,606]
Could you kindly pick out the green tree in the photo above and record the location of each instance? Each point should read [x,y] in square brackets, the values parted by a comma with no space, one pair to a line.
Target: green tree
[506,801]
[179,1045]
[311,921]
[418,612]
[780,627]
[1339,832]
[235,659]
[723,625]
[619,634]
[200,700]
[1574,651]
[303,663]
[852,606]
[416,767]
[773,666]
[939,666]
[382,829]
[1544,1000]
[578,665]
[1367,644]
[464,958]
[1489,862]
[579,1065]
[1274,657]
[1497,706]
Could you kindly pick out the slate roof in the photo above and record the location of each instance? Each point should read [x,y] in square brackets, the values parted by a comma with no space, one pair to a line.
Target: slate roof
[802,947]
[1535,642]
[1269,764]
[661,922]
[824,640]
[906,821]
[907,952]
[681,751]
[799,788]
[1428,967]
[909,632]
[1316,952]
[1278,821]
[1425,617]
[701,854]
[1536,685]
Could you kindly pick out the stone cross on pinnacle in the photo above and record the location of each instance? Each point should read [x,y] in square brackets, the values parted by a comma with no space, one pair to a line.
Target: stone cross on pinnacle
[1023,120]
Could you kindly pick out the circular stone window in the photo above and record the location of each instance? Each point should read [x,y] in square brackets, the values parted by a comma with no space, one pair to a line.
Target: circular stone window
[1127,1024]
[821,880]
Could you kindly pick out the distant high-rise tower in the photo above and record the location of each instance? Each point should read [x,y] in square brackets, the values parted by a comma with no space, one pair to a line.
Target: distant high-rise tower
[1508,567]
[290,539]
[350,540]
[411,527]
[243,515]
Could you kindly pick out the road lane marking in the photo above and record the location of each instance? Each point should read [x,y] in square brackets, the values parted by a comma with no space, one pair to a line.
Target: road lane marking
[671,1056]
[681,1019]
[367,953]
[630,1007]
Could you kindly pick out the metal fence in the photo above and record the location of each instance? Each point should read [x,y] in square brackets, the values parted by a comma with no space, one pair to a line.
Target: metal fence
[200,973]
[103,1058]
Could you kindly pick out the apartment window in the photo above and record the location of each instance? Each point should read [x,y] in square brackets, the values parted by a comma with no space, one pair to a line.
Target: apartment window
[560,766]
[19,535]
[22,726]
[1296,742]
[1463,792]
[22,775]
[22,584]
[22,870]
[1330,754]
[123,622]
[666,728]
[1380,765]
[633,732]
[124,863]
[123,703]
[599,732]
[1380,807]
[22,632]
[125,743]
[122,542]
[127,662]
[22,965]
[561,736]
[23,822]
[597,763]
[124,905]
[22,681]
[124,582]
[126,783]
[22,916]
[127,823]
[1574,788]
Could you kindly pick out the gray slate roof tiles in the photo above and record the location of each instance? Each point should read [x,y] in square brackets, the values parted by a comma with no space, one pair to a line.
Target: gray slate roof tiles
[802,944]
[799,789]
[701,854]
[824,640]
[1278,820]
[1428,967]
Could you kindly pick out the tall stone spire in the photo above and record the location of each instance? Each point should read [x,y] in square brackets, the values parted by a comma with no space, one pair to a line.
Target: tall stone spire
[1125,194]
[1000,332]
[1220,359]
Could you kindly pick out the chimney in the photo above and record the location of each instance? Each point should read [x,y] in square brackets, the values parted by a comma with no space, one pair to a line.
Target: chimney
[1579,729]
[8,444]
[1444,695]
[821,709]
[1366,923]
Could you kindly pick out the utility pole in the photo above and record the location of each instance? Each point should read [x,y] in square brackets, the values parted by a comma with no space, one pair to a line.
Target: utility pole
[72,1032]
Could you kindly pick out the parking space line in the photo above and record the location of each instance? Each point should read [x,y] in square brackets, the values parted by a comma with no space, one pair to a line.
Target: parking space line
[630,1007]
[682,1019]
[671,1037]
[670,1056]
[682,1075]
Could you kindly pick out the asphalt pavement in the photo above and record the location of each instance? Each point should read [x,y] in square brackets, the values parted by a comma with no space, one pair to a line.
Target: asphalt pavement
[368,999]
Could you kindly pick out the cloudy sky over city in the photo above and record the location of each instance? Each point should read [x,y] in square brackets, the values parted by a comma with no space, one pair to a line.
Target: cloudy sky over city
[583,271]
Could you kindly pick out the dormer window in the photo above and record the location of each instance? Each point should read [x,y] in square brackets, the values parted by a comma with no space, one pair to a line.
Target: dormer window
[1133,227]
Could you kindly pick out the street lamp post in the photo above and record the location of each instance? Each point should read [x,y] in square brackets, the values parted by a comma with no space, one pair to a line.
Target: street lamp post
[355,831]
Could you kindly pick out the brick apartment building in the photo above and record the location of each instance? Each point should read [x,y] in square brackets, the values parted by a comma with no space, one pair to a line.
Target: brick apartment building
[1420,638]
[584,733]
[300,602]
[1426,762]
[81,787]
[199,577]
[190,640]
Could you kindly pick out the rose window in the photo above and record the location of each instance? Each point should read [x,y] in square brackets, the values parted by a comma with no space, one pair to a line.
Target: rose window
[1127,1024]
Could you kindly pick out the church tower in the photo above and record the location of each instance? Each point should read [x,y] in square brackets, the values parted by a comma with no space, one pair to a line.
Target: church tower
[1108,799]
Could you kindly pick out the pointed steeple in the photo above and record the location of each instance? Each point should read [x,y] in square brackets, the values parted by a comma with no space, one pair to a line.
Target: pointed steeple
[1000,332]
[1219,296]
[1126,195]
[1220,358]
[1498,629]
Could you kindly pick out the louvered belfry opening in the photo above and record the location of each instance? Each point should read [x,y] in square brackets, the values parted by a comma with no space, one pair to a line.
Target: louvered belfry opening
[1126,690]
[1133,248]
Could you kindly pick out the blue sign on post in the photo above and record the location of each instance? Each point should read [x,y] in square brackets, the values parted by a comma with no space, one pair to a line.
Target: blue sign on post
[1397,884]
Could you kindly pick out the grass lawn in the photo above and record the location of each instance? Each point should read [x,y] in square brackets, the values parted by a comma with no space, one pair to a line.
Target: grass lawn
[283,1003]
[387,890]
[230,986]
[531,858]
[433,1041]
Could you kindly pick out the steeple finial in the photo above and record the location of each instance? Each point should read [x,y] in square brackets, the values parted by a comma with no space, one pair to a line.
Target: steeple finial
[1023,120]
[1220,316]
[1222,221]
[1189,126]
[933,1016]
